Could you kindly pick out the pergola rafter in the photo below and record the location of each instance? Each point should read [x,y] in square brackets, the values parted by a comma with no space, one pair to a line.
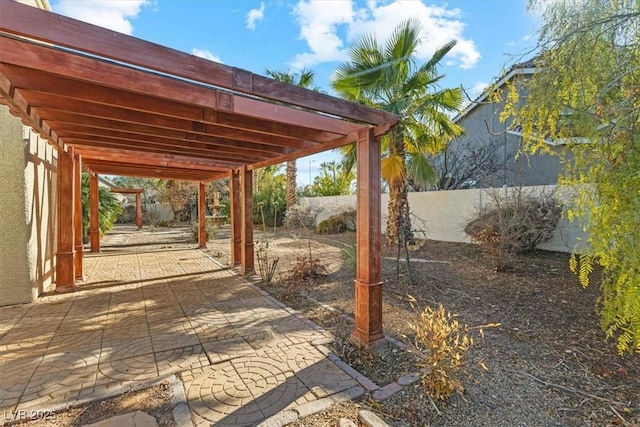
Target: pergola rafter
[125,106]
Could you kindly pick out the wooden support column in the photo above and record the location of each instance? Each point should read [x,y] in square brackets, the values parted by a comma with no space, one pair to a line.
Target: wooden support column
[77,215]
[94,213]
[139,210]
[65,253]
[368,283]
[236,217]
[202,219]
[246,251]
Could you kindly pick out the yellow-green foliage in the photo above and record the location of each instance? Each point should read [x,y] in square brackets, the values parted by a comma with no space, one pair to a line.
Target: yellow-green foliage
[588,86]
[444,341]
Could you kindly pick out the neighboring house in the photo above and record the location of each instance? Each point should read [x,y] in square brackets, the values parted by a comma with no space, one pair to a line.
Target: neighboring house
[487,154]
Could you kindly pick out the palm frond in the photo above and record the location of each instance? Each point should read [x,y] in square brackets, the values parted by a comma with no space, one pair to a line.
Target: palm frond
[419,168]
[392,168]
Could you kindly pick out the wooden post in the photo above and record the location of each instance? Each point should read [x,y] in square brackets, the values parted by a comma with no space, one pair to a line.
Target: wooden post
[77,215]
[368,283]
[94,213]
[246,255]
[65,254]
[139,210]
[202,212]
[236,219]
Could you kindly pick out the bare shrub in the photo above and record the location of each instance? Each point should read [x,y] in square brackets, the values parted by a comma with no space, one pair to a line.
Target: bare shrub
[301,215]
[516,222]
[306,269]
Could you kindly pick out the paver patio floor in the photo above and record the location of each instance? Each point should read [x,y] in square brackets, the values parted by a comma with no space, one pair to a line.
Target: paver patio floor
[142,316]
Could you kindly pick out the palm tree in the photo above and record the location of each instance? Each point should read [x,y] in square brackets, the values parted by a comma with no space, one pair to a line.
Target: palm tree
[304,78]
[387,77]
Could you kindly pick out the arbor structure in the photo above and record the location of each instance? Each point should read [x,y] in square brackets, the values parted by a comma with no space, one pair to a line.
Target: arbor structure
[388,76]
[587,94]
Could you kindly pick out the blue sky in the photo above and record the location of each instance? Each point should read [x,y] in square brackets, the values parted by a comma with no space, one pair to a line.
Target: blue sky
[292,34]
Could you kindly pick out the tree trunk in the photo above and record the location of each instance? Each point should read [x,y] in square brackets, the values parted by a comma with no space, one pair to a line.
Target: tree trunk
[291,184]
[398,219]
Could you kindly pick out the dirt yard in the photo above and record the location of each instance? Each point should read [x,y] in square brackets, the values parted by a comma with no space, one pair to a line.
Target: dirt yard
[547,364]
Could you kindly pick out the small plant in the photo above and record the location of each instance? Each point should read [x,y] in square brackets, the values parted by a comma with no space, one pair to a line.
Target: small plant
[516,223]
[306,269]
[444,341]
[267,270]
[349,255]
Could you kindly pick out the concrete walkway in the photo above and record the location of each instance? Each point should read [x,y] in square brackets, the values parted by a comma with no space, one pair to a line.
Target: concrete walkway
[141,317]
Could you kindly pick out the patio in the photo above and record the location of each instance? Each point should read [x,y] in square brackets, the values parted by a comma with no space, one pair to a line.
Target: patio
[145,315]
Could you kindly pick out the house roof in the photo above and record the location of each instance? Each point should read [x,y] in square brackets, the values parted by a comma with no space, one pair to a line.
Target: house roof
[131,107]
[525,68]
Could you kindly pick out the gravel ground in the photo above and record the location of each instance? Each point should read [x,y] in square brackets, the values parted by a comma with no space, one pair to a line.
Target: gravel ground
[547,364]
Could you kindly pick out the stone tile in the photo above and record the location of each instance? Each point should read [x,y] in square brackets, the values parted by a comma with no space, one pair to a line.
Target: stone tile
[173,340]
[57,361]
[48,387]
[73,325]
[222,350]
[76,341]
[138,368]
[15,377]
[124,349]
[181,359]
[212,333]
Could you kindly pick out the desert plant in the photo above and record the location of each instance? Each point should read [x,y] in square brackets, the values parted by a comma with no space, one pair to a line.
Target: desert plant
[444,341]
[516,222]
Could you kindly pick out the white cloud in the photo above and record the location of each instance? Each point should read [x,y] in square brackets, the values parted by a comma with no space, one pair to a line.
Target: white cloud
[327,29]
[255,15]
[206,54]
[477,89]
[319,22]
[113,14]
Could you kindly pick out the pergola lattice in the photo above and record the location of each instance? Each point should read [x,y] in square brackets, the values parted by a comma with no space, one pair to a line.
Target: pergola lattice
[114,104]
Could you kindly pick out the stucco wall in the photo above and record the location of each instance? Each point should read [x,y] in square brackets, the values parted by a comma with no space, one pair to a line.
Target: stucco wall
[442,215]
[27,212]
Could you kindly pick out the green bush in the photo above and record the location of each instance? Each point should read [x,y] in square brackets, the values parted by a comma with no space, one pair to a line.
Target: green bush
[270,191]
[332,225]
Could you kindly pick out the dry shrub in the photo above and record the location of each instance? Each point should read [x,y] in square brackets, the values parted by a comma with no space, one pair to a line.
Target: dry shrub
[516,222]
[306,270]
[301,215]
[444,341]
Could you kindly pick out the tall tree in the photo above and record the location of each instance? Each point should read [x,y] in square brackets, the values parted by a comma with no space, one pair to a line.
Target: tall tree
[587,92]
[389,77]
[305,79]
[334,179]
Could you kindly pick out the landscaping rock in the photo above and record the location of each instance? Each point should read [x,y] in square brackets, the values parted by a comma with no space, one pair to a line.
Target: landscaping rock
[370,419]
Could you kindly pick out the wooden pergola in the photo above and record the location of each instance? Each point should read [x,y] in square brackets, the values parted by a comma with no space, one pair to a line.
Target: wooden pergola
[114,104]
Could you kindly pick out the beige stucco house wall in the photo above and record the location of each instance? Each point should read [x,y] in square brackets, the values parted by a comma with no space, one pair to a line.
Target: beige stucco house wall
[27,208]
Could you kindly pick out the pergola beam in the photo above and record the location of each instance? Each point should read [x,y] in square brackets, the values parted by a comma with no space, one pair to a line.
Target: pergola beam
[62,31]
